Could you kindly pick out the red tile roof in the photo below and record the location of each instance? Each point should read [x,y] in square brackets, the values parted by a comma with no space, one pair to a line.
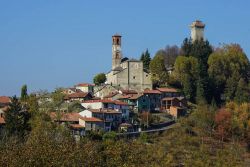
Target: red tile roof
[125,97]
[147,91]
[85,84]
[166,90]
[5,100]
[91,119]
[78,95]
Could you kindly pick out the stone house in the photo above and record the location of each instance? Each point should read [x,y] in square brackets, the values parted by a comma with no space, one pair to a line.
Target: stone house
[85,87]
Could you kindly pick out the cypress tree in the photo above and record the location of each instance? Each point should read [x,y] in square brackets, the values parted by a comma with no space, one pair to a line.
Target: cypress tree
[17,119]
[24,94]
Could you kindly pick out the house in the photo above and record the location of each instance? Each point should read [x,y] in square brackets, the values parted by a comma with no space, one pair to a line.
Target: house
[175,106]
[77,123]
[69,91]
[85,87]
[167,102]
[154,97]
[4,101]
[177,112]
[169,92]
[91,123]
[137,102]
[111,119]
[108,105]
[78,96]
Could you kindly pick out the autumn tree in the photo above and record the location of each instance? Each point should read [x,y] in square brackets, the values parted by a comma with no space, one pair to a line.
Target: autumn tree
[223,123]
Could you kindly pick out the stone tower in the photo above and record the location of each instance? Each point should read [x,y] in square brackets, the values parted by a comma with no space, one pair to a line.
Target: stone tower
[197,30]
[116,51]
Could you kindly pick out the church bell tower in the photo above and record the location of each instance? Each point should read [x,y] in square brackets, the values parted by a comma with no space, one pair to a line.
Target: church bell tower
[116,51]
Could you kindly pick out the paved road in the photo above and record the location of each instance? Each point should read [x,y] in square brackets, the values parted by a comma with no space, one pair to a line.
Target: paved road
[136,134]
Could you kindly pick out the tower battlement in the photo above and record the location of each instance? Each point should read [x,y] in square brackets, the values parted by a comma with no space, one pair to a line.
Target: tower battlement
[197,30]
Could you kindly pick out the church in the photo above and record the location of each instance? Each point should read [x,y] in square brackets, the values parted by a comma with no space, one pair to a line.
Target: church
[129,74]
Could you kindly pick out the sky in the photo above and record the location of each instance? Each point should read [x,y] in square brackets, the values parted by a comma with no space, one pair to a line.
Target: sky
[48,44]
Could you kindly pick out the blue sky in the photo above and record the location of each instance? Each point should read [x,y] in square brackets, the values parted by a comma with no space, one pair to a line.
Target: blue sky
[47,44]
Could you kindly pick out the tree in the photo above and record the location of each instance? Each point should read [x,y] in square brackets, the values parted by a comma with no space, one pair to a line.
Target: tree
[24,94]
[171,53]
[226,66]
[58,98]
[32,104]
[158,70]
[99,79]
[223,123]
[145,58]
[186,73]
[242,93]
[17,119]
[186,47]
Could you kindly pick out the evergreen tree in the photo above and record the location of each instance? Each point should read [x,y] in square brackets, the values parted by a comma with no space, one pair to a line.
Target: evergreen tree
[17,119]
[145,58]
[24,94]
[189,88]
[186,47]
[200,50]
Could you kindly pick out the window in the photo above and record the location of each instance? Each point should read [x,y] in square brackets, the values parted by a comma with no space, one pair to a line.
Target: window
[133,77]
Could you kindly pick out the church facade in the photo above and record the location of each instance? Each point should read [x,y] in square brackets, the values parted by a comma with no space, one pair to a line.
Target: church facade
[128,74]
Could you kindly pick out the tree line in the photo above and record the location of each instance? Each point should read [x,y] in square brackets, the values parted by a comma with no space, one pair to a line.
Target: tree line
[203,73]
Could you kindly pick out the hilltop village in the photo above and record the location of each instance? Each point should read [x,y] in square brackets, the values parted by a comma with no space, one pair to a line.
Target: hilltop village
[124,102]
[187,106]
